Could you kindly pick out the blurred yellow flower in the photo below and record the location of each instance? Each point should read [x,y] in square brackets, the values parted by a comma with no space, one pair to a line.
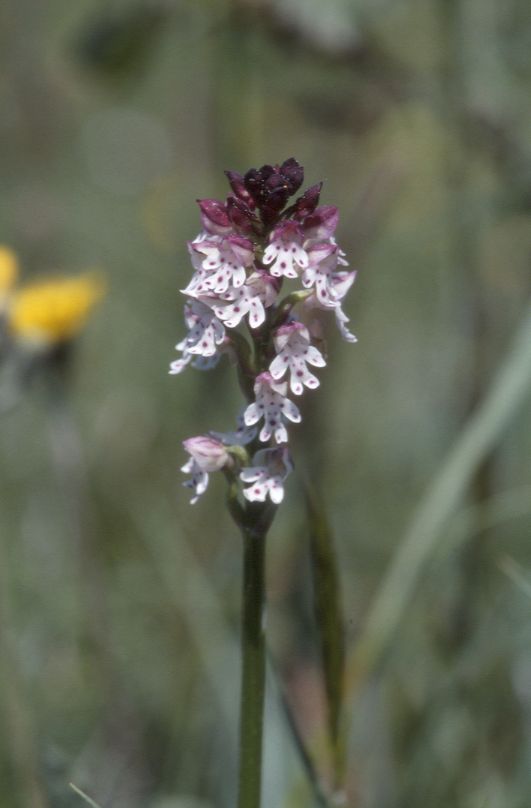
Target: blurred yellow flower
[56,309]
[8,272]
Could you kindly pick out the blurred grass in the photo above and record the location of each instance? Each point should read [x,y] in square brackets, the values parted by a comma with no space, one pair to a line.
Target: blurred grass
[103,169]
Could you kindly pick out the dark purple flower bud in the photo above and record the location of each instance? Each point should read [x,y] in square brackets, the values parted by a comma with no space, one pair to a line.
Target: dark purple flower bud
[275,202]
[322,222]
[293,174]
[274,181]
[253,184]
[240,215]
[271,186]
[266,171]
[214,216]
[237,185]
[307,203]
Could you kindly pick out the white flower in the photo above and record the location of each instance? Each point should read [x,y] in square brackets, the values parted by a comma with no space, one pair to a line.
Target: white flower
[206,332]
[340,284]
[267,475]
[222,264]
[198,362]
[206,456]
[342,320]
[292,342]
[251,299]
[322,273]
[285,253]
[178,365]
[198,481]
[272,405]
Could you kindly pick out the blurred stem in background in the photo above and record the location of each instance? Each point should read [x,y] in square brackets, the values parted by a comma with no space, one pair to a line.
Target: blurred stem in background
[18,725]
[507,392]
[66,448]
[465,218]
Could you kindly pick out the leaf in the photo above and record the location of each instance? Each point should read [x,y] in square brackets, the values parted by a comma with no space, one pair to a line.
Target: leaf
[478,437]
[329,616]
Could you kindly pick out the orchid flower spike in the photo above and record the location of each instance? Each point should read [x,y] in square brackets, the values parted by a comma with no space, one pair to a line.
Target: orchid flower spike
[252,244]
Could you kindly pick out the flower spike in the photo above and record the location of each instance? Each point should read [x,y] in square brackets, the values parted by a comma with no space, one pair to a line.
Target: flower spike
[251,245]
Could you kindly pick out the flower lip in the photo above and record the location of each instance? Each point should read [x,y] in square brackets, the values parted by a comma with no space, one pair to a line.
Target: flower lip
[266,475]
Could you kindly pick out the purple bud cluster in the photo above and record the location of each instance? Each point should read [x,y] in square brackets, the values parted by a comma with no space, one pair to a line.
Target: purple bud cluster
[250,246]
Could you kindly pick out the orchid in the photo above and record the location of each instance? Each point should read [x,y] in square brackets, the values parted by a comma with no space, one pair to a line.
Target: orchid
[267,476]
[249,249]
[295,352]
[249,246]
[272,405]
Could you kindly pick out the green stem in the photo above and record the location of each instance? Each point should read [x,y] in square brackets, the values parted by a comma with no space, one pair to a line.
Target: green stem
[253,668]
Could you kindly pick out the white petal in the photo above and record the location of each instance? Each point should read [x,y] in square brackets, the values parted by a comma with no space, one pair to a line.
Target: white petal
[295,385]
[315,357]
[270,254]
[252,414]
[276,492]
[257,312]
[281,434]
[256,493]
[291,411]
[277,368]
[265,433]
[178,365]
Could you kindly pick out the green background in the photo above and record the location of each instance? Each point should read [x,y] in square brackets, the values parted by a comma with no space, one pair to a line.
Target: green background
[120,602]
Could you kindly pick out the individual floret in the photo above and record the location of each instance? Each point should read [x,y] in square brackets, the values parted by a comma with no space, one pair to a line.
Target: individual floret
[272,405]
[250,300]
[285,253]
[206,456]
[294,353]
[267,475]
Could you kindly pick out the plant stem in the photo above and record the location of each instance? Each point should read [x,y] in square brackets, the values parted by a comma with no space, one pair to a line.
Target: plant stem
[253,668]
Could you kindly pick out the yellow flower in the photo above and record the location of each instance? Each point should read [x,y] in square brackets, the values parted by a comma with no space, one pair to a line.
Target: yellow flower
[56,309]
[8,272]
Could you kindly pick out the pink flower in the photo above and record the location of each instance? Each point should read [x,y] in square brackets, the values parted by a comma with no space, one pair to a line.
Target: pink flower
[322,273]
[251,243]
[206,332]
[267,475]
[214,217]
[223,265]
[206,456]
[340,284]
[322,222]
[258,293]
[272,405]
[285,253]
[294,353]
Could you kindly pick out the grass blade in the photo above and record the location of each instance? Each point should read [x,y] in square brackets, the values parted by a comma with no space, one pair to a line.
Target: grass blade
[84,796]
[485,427]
